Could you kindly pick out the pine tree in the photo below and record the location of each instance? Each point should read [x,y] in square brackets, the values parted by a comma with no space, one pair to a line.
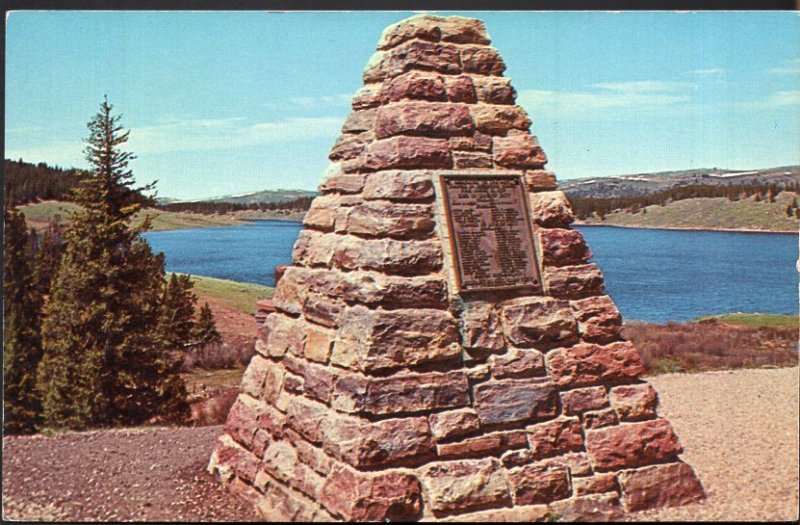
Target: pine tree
[102,362]
[205,331]
[49,250]
[176,320]
[21,335]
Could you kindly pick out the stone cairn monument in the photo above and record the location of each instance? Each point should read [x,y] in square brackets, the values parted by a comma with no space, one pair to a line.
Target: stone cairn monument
[440,347]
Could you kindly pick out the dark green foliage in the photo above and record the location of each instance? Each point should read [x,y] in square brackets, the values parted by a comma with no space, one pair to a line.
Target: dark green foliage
[103,363]
[205,330]
[25,182]
[49,250]
[584,207]
[21,336]
[301,203]
[176,320]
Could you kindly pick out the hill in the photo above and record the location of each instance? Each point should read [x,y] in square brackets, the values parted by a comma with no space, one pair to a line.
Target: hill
[259,197]
[708,213]
[647,183]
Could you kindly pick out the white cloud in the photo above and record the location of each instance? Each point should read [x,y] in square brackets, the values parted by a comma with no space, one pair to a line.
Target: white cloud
[789,67]
[708,72]
[779,99]
[604,98]
[341,100]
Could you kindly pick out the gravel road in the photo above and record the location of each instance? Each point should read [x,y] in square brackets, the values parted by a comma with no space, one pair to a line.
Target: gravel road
[739,430]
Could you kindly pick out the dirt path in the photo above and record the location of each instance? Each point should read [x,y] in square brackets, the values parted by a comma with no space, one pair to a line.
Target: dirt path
[739,430]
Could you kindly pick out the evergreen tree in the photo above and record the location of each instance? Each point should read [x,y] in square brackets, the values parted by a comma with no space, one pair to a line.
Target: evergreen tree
[205,331]
[102,362]
[176,321]
[21,336]
[49,250]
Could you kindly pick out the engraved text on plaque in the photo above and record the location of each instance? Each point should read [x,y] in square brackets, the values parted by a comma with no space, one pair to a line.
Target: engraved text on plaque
[490,232]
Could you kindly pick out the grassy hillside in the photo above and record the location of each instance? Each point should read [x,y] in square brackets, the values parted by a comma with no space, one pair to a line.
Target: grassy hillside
[242,296]
[38,214]
[756,320]
[713,214]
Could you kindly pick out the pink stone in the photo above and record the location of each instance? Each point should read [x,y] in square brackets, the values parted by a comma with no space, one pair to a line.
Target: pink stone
[389,219]
[573,282]
[241,423]
[409,257]
[540,180]
[366,97]
[598,319]
[599,419]
[483,60]
[480,328]
[586,363]
[592,507]
[555,437]
[471,160]
[414,85]
[550,209]
[668,485]
[580,400]
[483,445]
[408,153]
[538,321]
[634,402]
[348,147]
[434,28]
[518,151]
[432,119]
[513,400]
[562,247]
[425,56]
[494,90]
[460,89]
[597,484]
[453,423]
[498,119]
[517,363]
[458,486]
[322,310]
[632,445]
[358,496]
[399,186]
[376,289]
[477,142]
[532,484]
[360,121]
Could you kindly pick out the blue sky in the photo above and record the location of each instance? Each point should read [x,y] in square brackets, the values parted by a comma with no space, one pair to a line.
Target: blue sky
[231,102]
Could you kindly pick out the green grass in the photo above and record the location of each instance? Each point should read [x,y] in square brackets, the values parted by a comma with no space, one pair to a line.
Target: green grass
[38,215]
[756,320]
[711,213]
[242,295]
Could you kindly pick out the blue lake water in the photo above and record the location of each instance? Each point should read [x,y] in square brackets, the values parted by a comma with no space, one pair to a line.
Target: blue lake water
[652,275]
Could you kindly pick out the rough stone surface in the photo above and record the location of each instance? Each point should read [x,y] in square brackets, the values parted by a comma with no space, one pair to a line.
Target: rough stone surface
[659,486]
[458,486]
[632,445]
[514,400]
[634,402]
[586,363]
[378,392]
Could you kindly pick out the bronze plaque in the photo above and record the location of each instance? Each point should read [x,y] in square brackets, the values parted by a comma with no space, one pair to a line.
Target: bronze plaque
[490,232]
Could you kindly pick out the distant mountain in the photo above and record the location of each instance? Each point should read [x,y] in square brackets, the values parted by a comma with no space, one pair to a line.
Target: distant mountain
[259,197]
[645,183]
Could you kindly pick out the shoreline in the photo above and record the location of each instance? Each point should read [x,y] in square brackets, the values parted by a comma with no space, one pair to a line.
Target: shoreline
[684,228]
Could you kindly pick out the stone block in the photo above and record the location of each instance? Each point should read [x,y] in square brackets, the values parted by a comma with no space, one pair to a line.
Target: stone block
[494,90]
[453,423]
[538,321]
[242,421]
[305,417]
[632,445]
[414,85]
[460,89]
[400,393]
[634,402]
[561,247]
[308,454]
[518,151]
[477,142]
[534,484]
[336,180]
[480,328]
[599,419]
[424,56]
[513,400]
[498,119]
[594,507]
[469,160]
[550,209]
[585,364]
[482,60]
[401,257]
[599,321]
[322,213]
[359,496]
[573,282]
[290,291]
[293,384]
[522,513]
[350,146]
[398,185]
[597,484]
[360,121]
[434,28]
[377,67]
[552,438]
[322,309]
[430,119]
[403,152]
[314,248]
[668,485]
[540,180]
[482,446]
[377,289]
[366,97]
[263,379]
[318,344]
[459,486]
[517,363]
[580,400]
[371,340]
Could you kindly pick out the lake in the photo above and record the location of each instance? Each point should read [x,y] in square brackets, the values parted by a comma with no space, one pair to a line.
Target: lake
[652,275]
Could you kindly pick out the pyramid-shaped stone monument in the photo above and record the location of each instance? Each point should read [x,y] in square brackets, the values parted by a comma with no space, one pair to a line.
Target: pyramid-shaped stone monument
[441,349]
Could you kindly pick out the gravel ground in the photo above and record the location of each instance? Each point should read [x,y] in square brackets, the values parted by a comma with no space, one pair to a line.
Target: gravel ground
[739,430]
